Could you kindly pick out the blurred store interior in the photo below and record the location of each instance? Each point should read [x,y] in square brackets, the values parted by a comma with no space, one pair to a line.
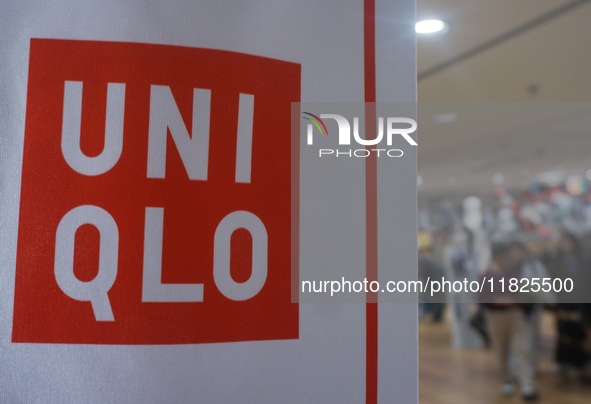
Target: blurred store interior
[504,114]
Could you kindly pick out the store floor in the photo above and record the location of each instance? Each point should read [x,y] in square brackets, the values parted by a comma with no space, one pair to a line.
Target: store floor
[454,376]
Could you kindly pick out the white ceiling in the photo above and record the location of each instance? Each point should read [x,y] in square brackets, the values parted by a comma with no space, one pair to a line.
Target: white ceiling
[517,73]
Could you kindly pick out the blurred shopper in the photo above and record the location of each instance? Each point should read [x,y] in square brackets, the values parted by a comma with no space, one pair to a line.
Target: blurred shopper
[567,259]
[431,304]
[458,265]
[573,318]
[531,268]
[509,327]
[573,321]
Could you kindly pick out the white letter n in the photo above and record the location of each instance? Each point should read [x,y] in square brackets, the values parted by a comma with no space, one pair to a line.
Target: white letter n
[193,149]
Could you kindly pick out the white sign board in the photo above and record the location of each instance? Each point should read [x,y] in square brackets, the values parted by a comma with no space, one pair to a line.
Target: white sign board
[155,207]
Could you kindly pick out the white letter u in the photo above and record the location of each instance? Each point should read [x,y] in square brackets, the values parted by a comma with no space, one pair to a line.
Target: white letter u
[72,118]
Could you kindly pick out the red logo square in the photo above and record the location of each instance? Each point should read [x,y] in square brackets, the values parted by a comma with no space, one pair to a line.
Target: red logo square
[156,196]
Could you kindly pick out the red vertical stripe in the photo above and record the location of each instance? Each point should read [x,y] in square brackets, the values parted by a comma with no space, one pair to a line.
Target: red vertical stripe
[371,204]
[295,203]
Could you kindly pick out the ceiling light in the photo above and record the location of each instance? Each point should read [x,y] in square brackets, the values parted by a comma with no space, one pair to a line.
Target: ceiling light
[430,27]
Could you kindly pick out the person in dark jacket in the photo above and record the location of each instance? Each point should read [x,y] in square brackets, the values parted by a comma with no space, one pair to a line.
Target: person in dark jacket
[573,317]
